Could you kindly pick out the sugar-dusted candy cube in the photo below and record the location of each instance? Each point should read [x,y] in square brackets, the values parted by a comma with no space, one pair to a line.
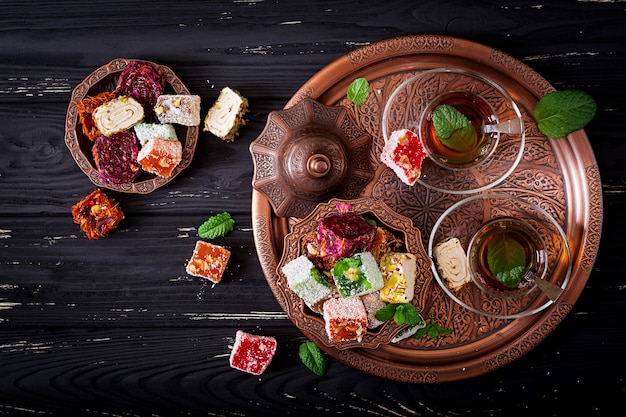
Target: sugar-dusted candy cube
[252,353]
[160,156]
[404,153]
[208,261]
[306,280]
[178,108]
[147,131]
[341,235]
[399,272]
[345,319]
[97,215]
[357,275]
[372,304]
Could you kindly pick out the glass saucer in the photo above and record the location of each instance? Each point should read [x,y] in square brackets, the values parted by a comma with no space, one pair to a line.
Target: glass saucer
[405,110]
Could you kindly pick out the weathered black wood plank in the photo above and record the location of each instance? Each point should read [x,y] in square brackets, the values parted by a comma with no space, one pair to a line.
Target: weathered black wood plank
[116,326]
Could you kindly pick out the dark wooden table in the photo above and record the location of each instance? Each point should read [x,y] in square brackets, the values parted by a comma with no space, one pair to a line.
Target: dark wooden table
[116,326]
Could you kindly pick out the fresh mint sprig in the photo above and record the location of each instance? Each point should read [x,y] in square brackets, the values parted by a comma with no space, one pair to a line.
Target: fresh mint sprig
[358,90]
[506,259]
[402,313]
[560,113]
[432,330]
[454,129]
[313,358]
[216,226]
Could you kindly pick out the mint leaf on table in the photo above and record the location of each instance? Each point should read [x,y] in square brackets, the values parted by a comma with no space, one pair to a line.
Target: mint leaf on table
[560,113]
[454,129]
[506,259]
[358,90]
[216,226]
[313,358]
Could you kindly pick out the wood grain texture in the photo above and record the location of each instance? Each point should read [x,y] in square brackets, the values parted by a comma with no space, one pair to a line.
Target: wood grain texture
[116,327]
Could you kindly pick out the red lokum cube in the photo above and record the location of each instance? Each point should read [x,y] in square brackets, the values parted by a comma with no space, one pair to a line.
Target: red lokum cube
[252,353]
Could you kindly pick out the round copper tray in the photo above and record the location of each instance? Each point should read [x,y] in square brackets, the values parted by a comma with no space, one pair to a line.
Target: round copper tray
[561,176]
[105,79]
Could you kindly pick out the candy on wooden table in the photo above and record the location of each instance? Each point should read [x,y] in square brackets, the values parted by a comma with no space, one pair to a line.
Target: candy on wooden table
[182,109]
[252,353]
[357,275]
[305,280]
[147,131]
[225,117]
[160,156]
[399,272]
[208,261]
[345,319]
[97,214]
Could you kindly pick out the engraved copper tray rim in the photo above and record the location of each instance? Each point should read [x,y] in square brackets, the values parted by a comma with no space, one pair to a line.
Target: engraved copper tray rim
[79,145]
[581,215]
[312,322]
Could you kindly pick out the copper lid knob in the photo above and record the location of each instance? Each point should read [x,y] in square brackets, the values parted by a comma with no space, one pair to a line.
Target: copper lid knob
[318,165]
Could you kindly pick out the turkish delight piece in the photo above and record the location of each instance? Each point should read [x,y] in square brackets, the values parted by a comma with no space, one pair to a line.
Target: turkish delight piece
[345,319]
[160,156]
[399,273]
[252,353]
[97,214]
[208,261]
[225,117]
[115,157]
[306,281]
[142,81]
[357,275]
[451,261]
[147,131]
[86,107]
[178,108]
[117,115]
[372,304]
[403,153]
[341,235]
[385,241]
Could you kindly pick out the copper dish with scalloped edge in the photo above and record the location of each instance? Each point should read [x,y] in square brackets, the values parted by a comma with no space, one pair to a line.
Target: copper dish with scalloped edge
[312,322]
[105,79]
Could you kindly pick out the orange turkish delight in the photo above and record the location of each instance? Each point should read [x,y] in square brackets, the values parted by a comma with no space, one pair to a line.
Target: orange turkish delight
[208,261]
[160,156]
[345,319]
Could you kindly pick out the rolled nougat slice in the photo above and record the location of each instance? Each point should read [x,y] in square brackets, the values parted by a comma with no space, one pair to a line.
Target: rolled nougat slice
[226,115]
[118,115]
[452,263]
